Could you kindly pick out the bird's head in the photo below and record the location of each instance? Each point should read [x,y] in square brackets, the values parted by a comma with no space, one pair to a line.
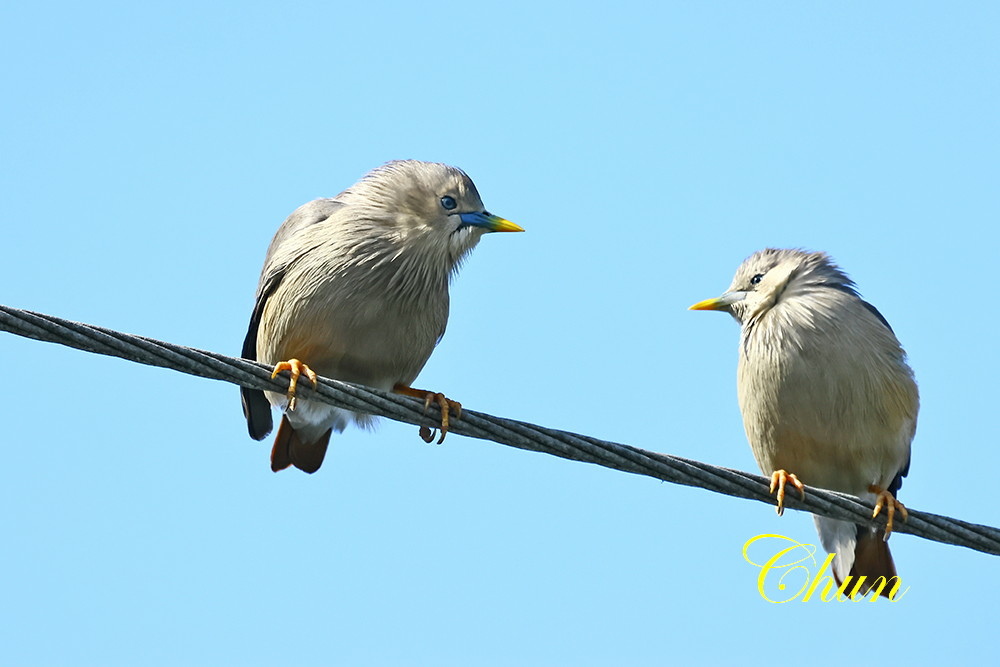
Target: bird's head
[428,207]
[770,276]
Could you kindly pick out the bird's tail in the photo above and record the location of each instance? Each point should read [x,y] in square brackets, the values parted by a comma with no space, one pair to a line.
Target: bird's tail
[872,559]
[290,449]
[860,552]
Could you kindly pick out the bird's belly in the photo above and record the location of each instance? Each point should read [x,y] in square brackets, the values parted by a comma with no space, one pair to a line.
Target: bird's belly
[836,431]
[845,465]
[378,351]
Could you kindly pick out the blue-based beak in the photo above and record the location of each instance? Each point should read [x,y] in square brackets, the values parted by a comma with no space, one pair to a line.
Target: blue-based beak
[489,222]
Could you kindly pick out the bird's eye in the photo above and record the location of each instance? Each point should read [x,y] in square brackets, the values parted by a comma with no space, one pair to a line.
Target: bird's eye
[756,279]
[448,202]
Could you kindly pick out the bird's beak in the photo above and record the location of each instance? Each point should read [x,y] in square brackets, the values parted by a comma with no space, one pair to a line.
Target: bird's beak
[489,222]
[721,303]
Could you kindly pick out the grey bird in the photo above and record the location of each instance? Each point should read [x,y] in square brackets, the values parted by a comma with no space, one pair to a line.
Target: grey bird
[355,288]
[826,395]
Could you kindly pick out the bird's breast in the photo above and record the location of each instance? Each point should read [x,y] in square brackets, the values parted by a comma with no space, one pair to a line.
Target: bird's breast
[826,409]
[352,332]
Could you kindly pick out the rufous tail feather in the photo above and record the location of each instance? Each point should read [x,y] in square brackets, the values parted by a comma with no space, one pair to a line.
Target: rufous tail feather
[290,450]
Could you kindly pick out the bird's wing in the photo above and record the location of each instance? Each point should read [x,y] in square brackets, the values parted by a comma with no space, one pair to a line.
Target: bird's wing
[849,289]
[256,408]
[908,389]
[908,398]
[874,311]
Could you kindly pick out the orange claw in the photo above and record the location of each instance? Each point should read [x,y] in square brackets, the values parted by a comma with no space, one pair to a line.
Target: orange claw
[778,479]
[447,406]
[885,499]
[295,369]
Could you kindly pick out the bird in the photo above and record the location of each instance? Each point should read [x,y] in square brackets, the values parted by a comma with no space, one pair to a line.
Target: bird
[355,287]
[826,394]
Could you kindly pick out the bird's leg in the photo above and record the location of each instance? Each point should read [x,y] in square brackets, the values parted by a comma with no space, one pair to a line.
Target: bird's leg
[447,406]
[885,499]
[295,369]
[778,479]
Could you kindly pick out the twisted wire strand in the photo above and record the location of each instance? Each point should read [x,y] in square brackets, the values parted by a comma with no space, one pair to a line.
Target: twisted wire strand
[509,432]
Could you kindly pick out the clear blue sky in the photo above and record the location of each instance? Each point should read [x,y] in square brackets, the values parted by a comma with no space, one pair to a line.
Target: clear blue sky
[149,153]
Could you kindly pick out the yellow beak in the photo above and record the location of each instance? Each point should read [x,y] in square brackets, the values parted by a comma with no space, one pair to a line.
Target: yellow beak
[710,304]
[720,303]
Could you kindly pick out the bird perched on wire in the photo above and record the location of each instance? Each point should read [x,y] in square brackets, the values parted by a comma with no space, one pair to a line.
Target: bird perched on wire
[356,288]
[826,395]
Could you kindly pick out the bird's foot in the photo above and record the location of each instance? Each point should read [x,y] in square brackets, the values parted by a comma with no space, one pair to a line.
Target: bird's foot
[447,407]
[779,478]
[295,370]
[885,499]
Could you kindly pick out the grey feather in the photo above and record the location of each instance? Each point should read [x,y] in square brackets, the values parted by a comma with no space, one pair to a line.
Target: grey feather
[356,286]
[256,407]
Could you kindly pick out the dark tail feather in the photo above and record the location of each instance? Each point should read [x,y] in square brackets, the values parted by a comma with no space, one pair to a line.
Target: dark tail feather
[873,560]
[257,411]
[290,450]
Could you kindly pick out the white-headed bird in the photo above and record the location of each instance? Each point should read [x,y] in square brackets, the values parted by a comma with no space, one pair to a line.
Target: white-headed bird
[826,394]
